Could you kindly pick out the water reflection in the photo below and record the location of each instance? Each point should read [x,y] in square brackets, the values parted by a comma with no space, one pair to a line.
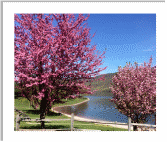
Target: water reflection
[81,109]
[99,107]
[78,109]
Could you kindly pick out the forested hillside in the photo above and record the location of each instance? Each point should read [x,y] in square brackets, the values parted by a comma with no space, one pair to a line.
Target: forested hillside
[103,86]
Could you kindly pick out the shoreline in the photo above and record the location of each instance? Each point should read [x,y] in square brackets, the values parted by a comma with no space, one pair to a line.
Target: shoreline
[73,104]
[95,121]
[101,122]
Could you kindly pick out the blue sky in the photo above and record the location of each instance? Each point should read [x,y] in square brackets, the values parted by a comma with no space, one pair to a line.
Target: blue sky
[126,38]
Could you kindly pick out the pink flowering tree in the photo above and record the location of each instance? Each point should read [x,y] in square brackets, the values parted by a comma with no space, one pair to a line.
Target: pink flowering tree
[134,91]
[53,61]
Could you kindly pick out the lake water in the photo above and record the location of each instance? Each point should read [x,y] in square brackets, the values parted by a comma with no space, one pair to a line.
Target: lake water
[99,108]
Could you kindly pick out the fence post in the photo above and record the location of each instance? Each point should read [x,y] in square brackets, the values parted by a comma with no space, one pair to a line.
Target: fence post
[17,122]
[72,121]
[129,124]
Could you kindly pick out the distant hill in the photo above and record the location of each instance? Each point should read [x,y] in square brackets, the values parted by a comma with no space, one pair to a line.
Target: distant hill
[103,86]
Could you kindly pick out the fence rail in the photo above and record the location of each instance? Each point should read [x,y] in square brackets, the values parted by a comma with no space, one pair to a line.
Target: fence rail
[137,124]
[39,120]
[26,119]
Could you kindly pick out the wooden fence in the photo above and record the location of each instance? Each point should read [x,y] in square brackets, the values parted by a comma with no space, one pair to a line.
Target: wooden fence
[138,124]
[129,123]
[27,119]
[19,119]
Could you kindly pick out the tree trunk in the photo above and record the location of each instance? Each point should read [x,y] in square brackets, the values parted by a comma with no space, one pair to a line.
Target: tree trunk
[42,112]
[137,121]
[134,128]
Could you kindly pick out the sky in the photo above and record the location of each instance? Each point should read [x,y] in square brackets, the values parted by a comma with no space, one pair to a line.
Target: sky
[124,37]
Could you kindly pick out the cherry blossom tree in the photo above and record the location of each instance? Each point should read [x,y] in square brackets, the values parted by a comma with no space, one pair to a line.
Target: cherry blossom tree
[134,91]
[53,57]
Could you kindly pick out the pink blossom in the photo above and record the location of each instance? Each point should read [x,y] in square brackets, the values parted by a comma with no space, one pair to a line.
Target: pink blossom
[53,61]
[134,90]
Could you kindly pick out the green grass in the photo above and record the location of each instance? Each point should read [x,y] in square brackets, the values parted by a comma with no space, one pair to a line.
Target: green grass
[70,101]
[23,105]
[66,125]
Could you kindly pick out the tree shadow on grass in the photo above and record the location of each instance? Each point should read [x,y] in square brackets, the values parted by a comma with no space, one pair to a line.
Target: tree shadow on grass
[50,113]
[46,127]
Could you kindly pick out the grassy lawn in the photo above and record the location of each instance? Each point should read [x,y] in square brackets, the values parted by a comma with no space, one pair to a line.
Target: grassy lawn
[70,101]
[66,125]
[23,105]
